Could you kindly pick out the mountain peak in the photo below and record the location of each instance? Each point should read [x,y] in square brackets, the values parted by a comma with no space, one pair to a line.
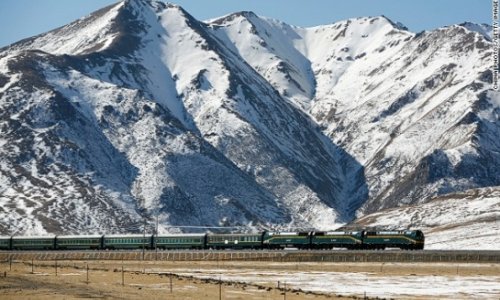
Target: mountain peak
[368,23]
[157,6]
[248,15]
[92,33]
[484,29]
[154,5]
[397,25]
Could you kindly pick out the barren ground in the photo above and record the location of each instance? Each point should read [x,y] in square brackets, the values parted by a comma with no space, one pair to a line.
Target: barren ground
[199,280]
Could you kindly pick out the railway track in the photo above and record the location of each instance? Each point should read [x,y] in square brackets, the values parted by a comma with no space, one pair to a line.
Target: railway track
[263,255]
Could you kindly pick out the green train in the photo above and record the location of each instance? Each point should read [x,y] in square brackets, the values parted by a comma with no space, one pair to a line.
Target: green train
[338,239]
[402,239]
[179,241]
[281,240]
[406,239]
[234,241]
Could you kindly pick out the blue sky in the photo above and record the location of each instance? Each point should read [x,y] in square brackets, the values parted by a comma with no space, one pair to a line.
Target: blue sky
[24,18]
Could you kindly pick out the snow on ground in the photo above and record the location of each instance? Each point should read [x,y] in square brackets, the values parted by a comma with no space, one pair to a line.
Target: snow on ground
[356,284]
[469,220]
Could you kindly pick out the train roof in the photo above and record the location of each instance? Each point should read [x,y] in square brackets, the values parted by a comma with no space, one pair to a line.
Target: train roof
[127,235]
[235,234]
[339,232]
[90,236]
[287,233]
[182,235]
[5,237]
[395,232]
[35,237]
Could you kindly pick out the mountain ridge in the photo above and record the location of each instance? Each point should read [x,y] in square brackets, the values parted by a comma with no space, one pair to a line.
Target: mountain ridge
[274,126]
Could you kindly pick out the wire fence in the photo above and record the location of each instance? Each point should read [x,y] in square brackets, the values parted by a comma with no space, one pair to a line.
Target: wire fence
[272,256]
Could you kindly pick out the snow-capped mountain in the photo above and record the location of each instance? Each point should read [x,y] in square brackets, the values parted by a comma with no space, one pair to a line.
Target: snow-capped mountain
[395,100]
[139,110]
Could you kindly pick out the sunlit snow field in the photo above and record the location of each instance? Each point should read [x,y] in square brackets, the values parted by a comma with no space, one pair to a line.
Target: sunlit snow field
[359,283]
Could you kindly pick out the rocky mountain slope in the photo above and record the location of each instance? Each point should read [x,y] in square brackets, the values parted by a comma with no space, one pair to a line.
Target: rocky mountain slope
[139,110]
[464,220]
[413,109]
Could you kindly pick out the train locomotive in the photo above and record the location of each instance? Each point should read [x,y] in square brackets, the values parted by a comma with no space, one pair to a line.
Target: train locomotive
[352,240]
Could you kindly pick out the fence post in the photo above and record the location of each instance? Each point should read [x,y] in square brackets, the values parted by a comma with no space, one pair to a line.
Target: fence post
[56,265]
[87,265]
[220,288]
[32,267]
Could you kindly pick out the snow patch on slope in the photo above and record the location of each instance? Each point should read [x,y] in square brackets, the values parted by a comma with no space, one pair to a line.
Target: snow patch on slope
[466,220]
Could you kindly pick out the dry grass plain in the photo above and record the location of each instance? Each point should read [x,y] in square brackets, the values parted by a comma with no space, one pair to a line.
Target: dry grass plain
[158,280]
